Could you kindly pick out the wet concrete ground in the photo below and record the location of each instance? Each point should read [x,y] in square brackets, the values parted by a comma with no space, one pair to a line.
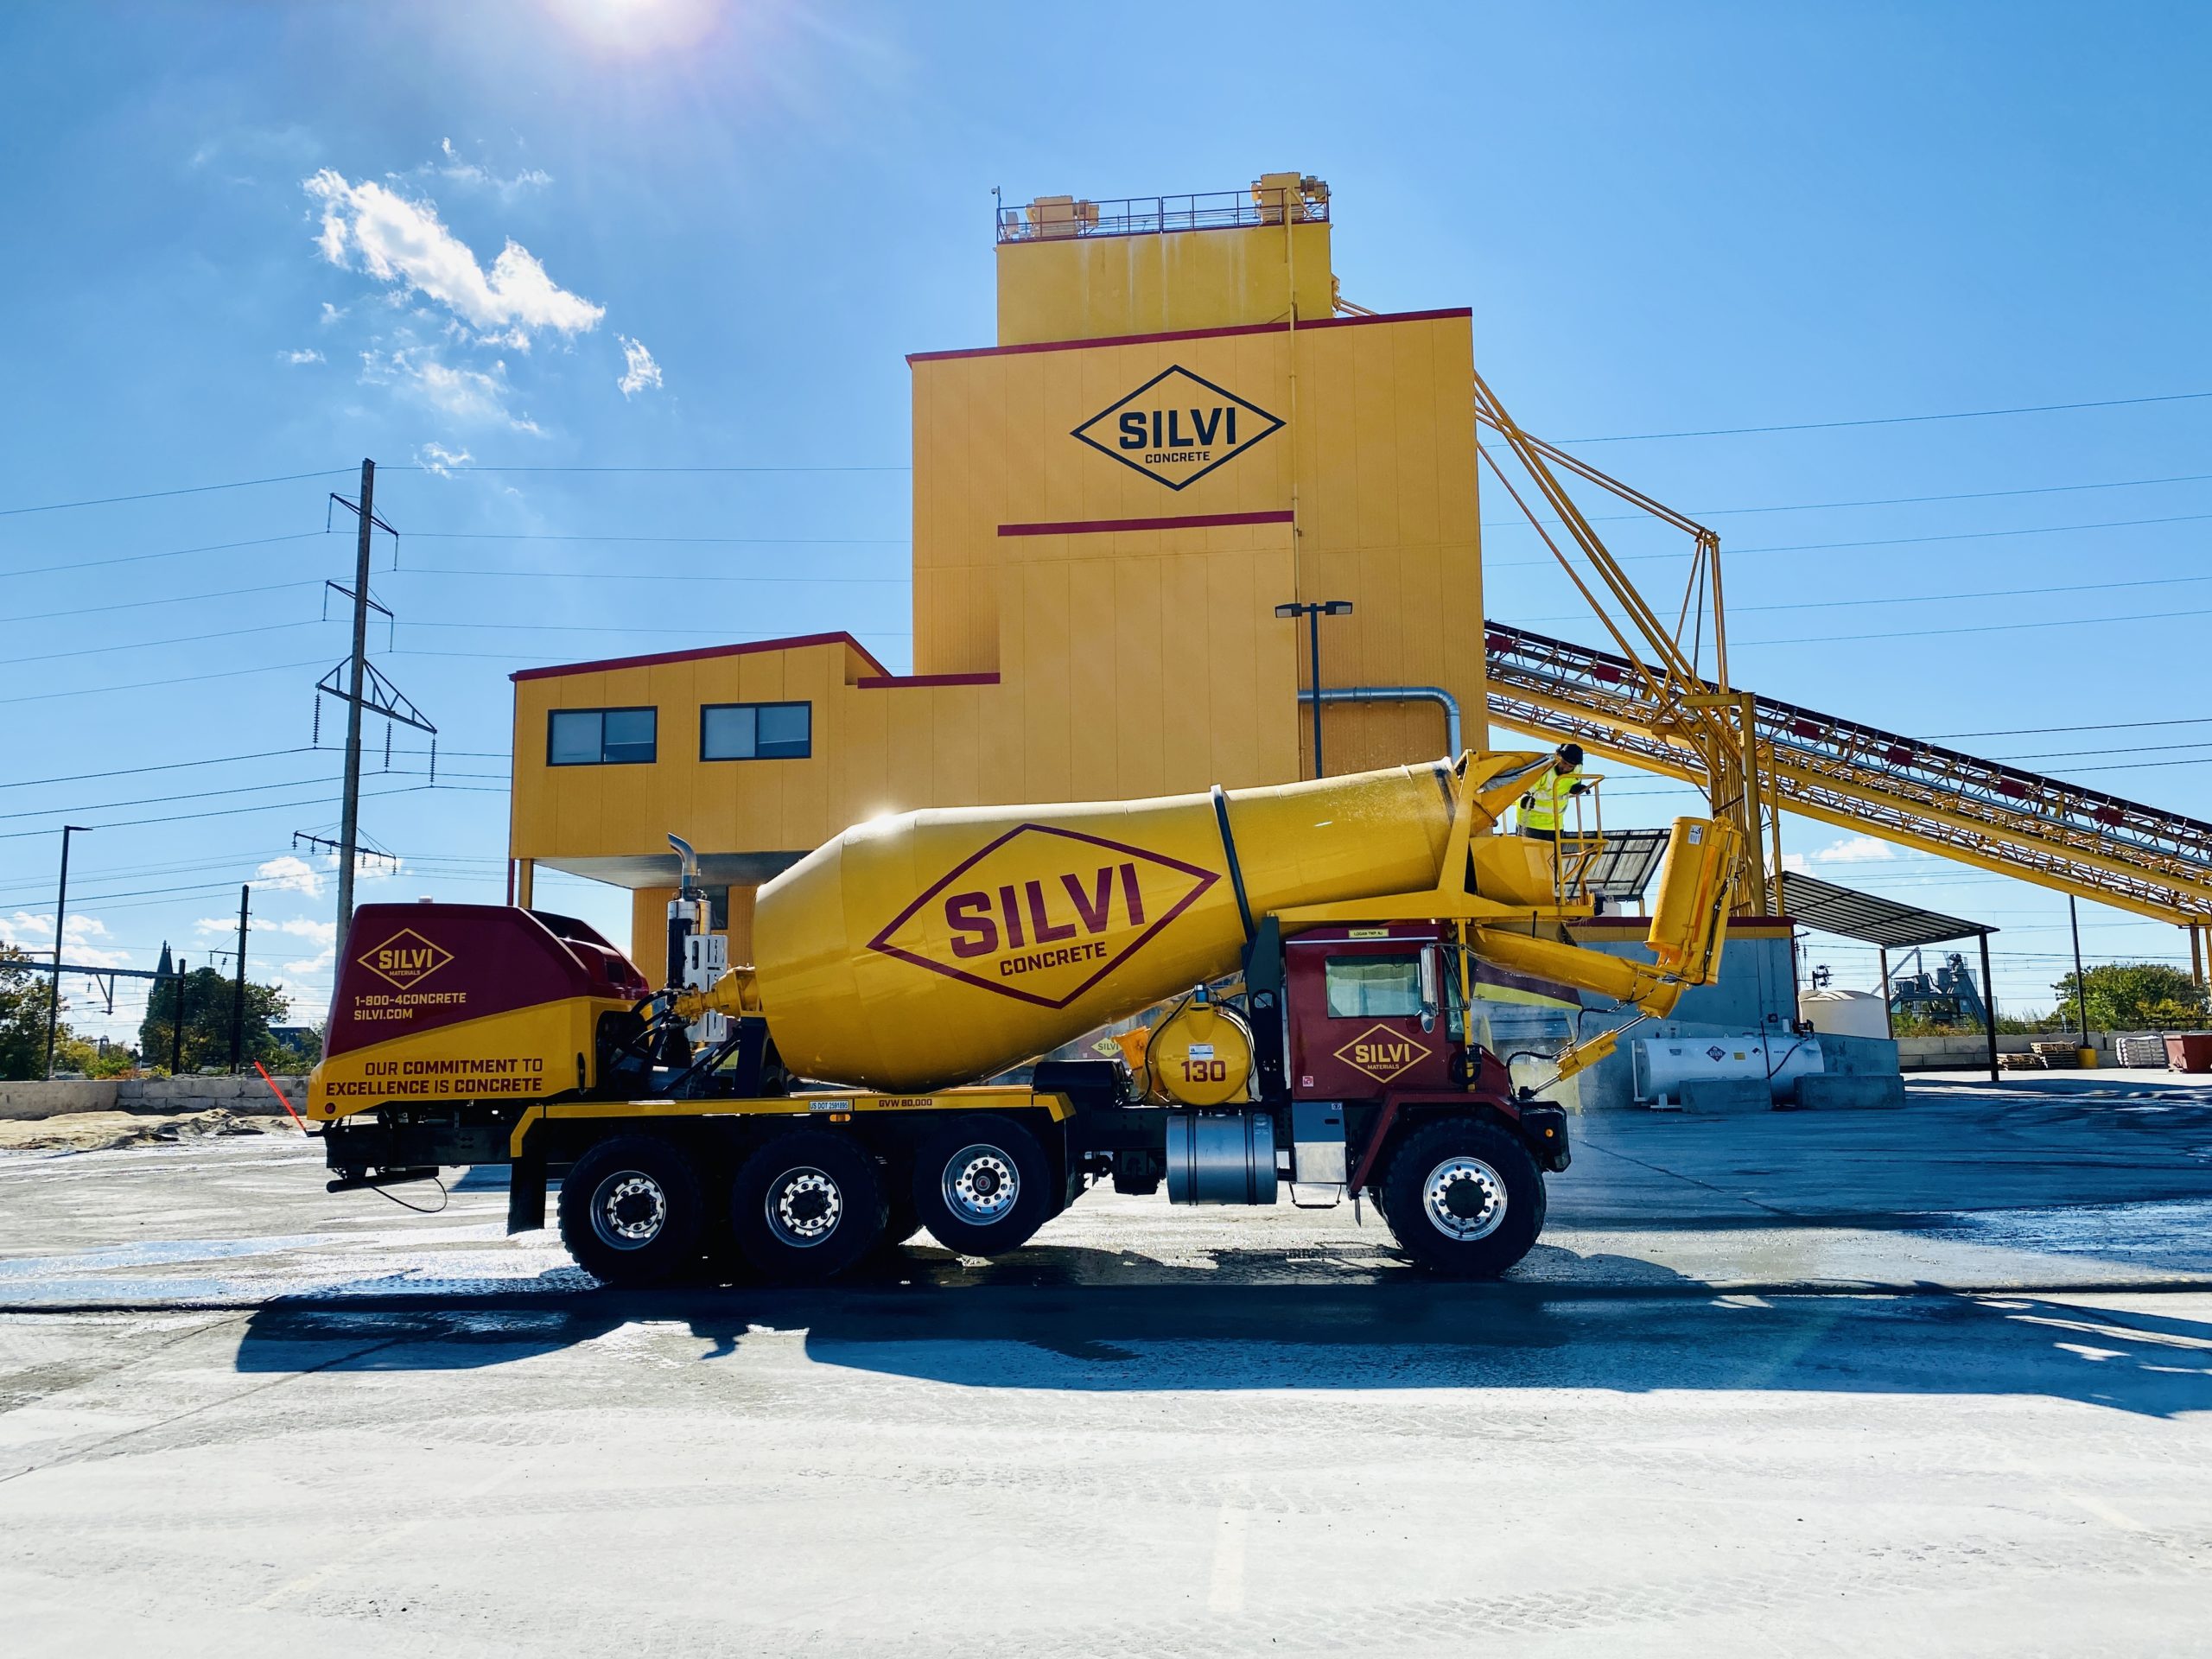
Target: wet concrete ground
[1937,1380]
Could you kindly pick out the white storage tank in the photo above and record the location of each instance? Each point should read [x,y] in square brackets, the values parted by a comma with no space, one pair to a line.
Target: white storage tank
[1663,1065]
[1844,1014]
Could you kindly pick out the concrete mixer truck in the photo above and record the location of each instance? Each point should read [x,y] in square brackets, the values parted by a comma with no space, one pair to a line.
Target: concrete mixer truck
[1264,990]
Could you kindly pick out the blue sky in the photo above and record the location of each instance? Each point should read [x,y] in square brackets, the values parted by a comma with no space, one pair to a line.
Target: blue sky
[249,242]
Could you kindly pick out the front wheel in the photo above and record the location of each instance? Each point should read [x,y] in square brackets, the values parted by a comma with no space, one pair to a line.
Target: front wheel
[633,1211]
[980,1186]
[806,1206]
[1464,1198]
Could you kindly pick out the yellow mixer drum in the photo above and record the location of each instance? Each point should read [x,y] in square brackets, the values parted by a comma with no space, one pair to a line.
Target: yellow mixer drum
[1201,1055]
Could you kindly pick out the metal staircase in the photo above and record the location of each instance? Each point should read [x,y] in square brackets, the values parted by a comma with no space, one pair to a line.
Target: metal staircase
[1842,772]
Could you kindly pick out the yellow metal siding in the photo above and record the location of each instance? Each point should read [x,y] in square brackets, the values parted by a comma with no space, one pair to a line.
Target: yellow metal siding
[1132,662]
[1098,287]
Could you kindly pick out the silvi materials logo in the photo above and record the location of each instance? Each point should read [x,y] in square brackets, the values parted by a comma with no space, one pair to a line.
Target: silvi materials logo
[1042,914]
[1382,1053]
[1177,427]
[405,959]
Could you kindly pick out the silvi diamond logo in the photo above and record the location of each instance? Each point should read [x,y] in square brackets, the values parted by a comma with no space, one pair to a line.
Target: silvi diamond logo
[1177,427]
[1382,1053]
[405,959]
[1042,914]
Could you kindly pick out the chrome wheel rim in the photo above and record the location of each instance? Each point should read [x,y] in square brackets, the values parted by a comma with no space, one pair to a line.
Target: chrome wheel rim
[803,1207]
[1464,1199]
[981,1184]
[629,1210]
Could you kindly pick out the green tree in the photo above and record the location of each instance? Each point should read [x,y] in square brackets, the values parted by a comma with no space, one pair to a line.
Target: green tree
[2134,996]
[22,1017]
[85,1056]
[207,998]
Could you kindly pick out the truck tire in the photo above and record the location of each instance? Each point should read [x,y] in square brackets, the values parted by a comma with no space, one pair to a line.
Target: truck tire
[901,1224]
[1464,1198]
[981,1186]
[633,1211]
[806,1206]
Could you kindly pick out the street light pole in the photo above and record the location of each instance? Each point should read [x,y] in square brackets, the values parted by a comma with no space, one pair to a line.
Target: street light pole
[1314,612]
[61,920]
[2080,981]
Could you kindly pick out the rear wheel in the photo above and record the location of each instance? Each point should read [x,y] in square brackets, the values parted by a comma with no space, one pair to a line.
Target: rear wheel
[980,1186]
[806,1206]
[1464,1198]
[633,1211]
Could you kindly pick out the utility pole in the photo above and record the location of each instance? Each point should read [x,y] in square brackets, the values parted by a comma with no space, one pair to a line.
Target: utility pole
[61,919]
[237,989]
[357,683]
[1314,612]
[349,816]
[2081,979]
[176,1028]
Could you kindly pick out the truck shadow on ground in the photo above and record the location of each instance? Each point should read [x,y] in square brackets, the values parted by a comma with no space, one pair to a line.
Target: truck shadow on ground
[1092,1320]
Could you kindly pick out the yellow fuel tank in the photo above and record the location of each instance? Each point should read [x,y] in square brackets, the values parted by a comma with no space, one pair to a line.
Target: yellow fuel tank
[937,947]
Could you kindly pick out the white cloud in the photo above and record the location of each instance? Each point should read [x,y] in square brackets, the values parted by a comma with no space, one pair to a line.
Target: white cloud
[397,240]
[289,875]
[331,313]
[639,369]
[34,935]
[436,458]
[306,354]
[306,965]
[470,394]
[451,165]
[1859,849]
[1795,862]
[298,927]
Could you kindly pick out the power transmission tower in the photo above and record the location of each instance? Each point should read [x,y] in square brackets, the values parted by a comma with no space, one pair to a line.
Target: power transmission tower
[362,687]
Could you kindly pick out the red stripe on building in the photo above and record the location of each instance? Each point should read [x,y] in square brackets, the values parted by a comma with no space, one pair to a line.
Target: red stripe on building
[899,681]
[1190,333]
[1193,521]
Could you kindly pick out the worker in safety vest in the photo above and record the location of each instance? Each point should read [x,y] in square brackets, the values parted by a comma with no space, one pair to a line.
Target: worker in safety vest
[1541,806]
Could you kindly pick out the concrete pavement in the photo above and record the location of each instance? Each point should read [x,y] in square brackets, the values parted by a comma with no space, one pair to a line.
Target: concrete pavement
[1919,1382]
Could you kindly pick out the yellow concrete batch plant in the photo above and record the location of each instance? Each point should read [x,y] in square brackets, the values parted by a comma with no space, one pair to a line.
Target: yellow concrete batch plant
[1175,434]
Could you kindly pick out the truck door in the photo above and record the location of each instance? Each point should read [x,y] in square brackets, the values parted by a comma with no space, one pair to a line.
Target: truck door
[1355,1031]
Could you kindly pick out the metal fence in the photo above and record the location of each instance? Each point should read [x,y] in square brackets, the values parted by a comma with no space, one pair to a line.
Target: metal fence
[1052,218]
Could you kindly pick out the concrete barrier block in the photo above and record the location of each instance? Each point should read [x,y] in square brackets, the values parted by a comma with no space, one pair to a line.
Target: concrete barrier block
[1727,1095]
[43,1099]
[1850,1093]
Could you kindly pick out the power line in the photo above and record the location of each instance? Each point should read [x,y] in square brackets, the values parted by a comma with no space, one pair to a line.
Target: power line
[266,806]
[172,553]
[1889,541]
[675,541]
[181,679]
[240,789]
[2102,726]
[201,637]
[628,576]
[451,471]
[232,760]
[160,495]
[1874,501]
[1897,420]
[174,599]
[1986,627]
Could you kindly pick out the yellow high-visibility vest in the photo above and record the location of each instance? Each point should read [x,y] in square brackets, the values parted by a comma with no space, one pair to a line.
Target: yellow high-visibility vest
[1541,807]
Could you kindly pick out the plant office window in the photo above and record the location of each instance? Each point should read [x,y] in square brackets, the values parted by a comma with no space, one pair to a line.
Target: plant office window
[601,737]
[756,731]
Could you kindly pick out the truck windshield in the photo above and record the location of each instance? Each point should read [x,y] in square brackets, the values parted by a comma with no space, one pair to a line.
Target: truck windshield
[1367,987]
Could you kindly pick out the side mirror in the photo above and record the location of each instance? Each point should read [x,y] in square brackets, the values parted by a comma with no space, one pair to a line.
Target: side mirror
[1431,977]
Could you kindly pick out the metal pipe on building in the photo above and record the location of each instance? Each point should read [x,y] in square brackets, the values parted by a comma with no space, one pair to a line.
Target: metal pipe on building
[1435,694]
